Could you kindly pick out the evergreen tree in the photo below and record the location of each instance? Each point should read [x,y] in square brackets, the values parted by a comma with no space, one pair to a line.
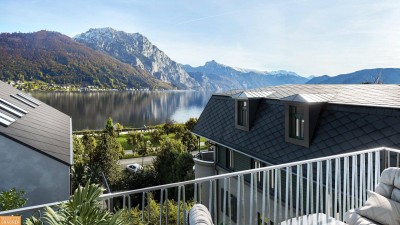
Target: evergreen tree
[110,127]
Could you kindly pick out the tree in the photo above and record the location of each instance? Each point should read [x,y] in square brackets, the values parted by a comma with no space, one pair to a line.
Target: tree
[105,158]
[79,169]
[154,209]
[191,123]
[179,130]
[166,163]
[135,139]
[12,199]
[156,136]
[82,208]
[184,167]
[90,143]
[168,127]
[143,149]
[190,141]
[118,128]
[110,127]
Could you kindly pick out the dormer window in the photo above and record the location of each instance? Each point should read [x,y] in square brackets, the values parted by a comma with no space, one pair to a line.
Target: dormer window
[246,105]
[296,122]
[242,113]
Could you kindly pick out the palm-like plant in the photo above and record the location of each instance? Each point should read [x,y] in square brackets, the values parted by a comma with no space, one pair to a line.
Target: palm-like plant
[81,209]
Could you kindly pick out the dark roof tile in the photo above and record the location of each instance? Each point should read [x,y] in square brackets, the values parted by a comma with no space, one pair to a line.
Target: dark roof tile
[340,129]
[43,128]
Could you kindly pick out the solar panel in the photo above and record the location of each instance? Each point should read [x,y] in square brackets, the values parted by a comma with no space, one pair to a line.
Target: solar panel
[10,110]
[29,98]
[23,101]
[13,106]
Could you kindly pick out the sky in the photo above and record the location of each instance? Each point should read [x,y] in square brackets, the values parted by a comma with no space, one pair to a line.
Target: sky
[304,36]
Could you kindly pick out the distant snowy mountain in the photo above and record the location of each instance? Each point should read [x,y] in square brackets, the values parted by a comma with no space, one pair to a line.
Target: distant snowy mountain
[222,77]
[379,75]
[136,50]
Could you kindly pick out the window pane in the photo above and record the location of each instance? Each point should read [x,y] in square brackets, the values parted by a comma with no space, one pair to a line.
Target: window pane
[296,122]
[242,113]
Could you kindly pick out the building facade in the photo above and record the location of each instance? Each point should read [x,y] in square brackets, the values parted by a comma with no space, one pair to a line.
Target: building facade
[282,124]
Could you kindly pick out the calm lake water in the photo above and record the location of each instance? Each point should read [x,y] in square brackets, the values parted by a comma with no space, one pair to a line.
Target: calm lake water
[89,110]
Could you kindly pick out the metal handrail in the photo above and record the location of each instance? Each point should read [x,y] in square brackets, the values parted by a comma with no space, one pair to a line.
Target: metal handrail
[332,189]
[30,208]
[243,172]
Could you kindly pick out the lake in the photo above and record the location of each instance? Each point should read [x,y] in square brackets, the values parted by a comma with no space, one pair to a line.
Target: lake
[90,110]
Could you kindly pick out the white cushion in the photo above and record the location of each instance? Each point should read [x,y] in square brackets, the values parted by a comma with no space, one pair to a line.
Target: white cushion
[395,196]
[199,215]
[380,209]
[353,218]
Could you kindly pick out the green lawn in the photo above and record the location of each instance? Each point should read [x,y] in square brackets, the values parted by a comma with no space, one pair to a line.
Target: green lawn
[122,139]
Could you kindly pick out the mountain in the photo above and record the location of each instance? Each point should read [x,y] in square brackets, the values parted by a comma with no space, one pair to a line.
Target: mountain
[379,75]
[222,77]
[53,57]
[136,50]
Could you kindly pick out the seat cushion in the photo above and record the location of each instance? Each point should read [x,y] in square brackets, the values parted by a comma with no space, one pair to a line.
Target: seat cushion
[389,180]
[353,218]
[380,209]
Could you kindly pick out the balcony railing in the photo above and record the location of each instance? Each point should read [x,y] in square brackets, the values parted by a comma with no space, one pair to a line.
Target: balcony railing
[327,186]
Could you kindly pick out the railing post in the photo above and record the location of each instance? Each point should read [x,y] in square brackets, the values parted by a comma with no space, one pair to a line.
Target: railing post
[251,199]
[318,188]
[184,204]
[263,197]
[210,196]
[166,207]
[161,205]
[276,196]
[148,206]
[143,198]
[195,193]
[327,185]
[215,201]
[297,191]
[224,203]
[269,197]
[308,189]
[286,194]
[179,206]
[255,198]
[238,200]
[229,201]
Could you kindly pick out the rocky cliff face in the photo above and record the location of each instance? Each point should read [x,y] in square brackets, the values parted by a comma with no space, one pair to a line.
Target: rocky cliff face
[136,50]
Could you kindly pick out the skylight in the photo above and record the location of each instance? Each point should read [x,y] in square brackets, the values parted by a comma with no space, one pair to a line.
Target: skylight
[13,106]
[29,98]
[6,120]
[24,101]
[10,110]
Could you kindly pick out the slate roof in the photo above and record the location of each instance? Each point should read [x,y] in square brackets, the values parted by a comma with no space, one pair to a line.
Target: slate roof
[358,117]
[42,128]
[385,95]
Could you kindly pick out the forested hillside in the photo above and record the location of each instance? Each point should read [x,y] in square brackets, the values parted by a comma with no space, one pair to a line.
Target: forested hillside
[55,58]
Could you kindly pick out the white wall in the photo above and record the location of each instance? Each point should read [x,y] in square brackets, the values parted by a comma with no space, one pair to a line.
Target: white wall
[43,179]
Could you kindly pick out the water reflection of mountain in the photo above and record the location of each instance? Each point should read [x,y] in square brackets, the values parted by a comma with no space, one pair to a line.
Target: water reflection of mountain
[90,110]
